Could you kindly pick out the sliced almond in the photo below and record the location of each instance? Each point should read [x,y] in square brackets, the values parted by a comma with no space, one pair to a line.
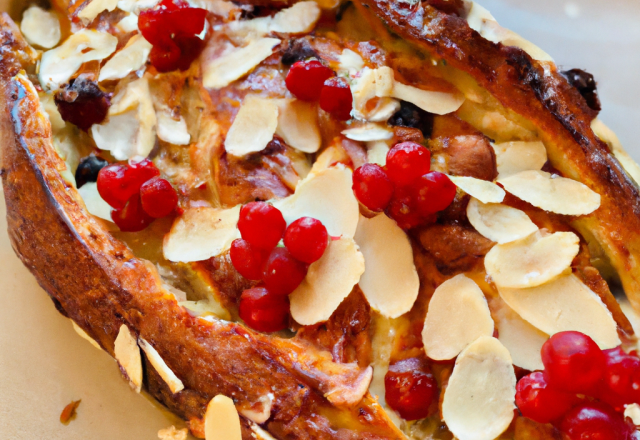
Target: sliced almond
[385,82]
[439,103]
[390,281]
[127,353]
[377,152]
[169,377]
[253,127]
[383,110]
[94,202]
[329,281]
[499,223]
[233,65]
[562,304]
[201,233]
[479,399]
[369,132]
[260,434]
[350,62]
[94,7]
[40,27]
[363,88]
[298,125]
[300,18]
[325,195]
[458,314]
[172,433]
[632,412]
[483,190]
[221,420]
[171,130]
[523,340]
[533,260]
[513,157]
[135,6]
[552,193]
[58,65]
[129,59]
[128,24]
[84,335]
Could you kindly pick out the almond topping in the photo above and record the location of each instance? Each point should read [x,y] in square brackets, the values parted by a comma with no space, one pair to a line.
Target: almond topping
[171,130]
[390,281]
[175,384]
[40,27]
[552,193]
[201,233]
[632,412]
[513,157]
[533,260]
[94,7]
[94,202]
[130,58]
[350,62]
[329,281]
[127,353]
[84,335]
[300,18]
[253,127]
[171,433]
[479,399]
[458,314]
[221,420]
[564,303]
[369,132]
[483,190]
[439,103]
[523,340]
[499,223]
[298,125]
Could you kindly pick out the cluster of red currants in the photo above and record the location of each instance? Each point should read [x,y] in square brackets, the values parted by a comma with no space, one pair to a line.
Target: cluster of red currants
[137,194]
[313,81]
[404,188]
[257,257]
[410,388]
[174,29]
[582,389]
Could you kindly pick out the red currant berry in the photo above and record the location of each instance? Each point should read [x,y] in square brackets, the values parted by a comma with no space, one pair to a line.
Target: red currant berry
[336,98]
[306,239]
[407,161]
[159,199]
[403,209]
[248,260]
[263,311]
[131,218]
[261,224]
[541,402]
[410,389]
[112,185]
[434,192]
[594,421]
[573,362]
[621,384]
[282,272]
[306,78]
[372,186]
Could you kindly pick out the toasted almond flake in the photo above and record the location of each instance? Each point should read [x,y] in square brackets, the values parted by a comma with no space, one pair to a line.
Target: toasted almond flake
[377,152]
[242,32]
[384,109]
[94,8]
[128,24]
[259,433]
[363,88]
[170,130]
[201,233]
[40,27]
[369,132]
[130,58]
[221,420]
[439,103]
[499,223]
[221,8]
[325,195]
[298,125]
[253,127]
[479,399]
[552,193]
[175,384]
[610,138]
[350,62]
[533,260]
[483,190]
[632,412]
[513,157]
[385,82]
[260,411]
[94,203]
[127,353]
[329,281]
[84,335]
[300,18]
[523,340]
[135,6]
[172,433]
[458,314]
[390,281]
[59,64]
[233,65]
[562,304]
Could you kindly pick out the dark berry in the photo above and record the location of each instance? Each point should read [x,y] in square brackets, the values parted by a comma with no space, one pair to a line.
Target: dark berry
[412,116]
[88,169]
[82,103]
[585,83]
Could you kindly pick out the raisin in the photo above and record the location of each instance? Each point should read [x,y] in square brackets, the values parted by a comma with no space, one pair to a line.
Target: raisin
[585,84]
[298,49]
[412,116]
[88,169]
[82,103]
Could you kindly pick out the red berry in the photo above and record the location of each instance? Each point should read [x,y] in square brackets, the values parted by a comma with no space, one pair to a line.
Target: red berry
[264,311]
[261,224]
[407,161]
[573,362]
[306,239]
[248,260]
[306,78]
[410,389]
[621,383]
[403,209]
[336,98]
[118,182]
[131,218]
[538,401]
[594,421]
[159,199]
[372,186]
[282,272]
[434,192]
